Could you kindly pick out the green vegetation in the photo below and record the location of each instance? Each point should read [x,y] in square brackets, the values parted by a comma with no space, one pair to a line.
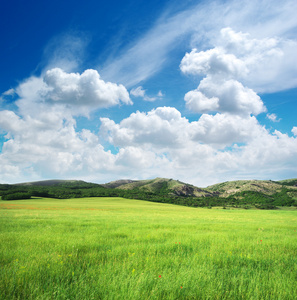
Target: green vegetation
[238,194]
[114,248]
[16,196]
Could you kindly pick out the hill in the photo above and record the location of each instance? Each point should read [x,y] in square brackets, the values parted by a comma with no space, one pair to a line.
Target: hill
[228,188]
[264,194]
[53,182]
[161,186]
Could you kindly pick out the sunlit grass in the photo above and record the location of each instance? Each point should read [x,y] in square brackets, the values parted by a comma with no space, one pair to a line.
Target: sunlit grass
[111,248]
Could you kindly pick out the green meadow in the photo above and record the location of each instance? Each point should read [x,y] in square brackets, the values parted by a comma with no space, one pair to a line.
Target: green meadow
[115,248]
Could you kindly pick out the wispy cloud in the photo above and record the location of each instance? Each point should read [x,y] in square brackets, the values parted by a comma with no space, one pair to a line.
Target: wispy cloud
[198,26]
[65,51]
[141,93]
[273,117]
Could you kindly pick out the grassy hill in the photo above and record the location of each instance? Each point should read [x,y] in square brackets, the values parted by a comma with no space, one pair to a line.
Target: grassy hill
[228,188]
[163,185]
[264,194]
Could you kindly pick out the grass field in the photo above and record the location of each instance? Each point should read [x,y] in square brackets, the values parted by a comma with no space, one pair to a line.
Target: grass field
[112,248]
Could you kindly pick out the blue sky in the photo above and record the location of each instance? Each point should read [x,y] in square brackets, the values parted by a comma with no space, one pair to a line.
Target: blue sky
[200,91]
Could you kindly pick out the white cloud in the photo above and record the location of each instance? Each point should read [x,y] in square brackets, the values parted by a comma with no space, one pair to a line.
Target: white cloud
[264,65]
[48,145]
[236,67]
[9,92]
[214,62]
[42,140]
[140,92]
[85,89]
[213,148]
[160,143]
[7,95]
[165,128]
[81,93]
[273,117]
[161,128]
[225,130]
[294,130]
[269,61]
[198,102]
[230,96]
[200,24]
[160,94]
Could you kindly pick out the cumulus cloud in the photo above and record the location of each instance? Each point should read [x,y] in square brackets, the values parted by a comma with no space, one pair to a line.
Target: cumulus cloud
[41,137]
[268,61]
[220,146]
[213,62]
[198,102]
[160,127]
[230,96]
[83,89]
[230,69]
[225,130]
[81,93]
[294,130]
[160,142]
[165,128]
[48,143]
[264,65]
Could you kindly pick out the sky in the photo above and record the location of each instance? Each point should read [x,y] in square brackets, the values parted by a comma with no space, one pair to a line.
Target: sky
[198,91]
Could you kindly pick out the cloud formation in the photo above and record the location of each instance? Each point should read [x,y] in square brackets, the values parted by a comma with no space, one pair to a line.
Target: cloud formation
[236,59]
[219,94]
[160,142]
[215,144]
[164,128]
[81,93]
[147,55]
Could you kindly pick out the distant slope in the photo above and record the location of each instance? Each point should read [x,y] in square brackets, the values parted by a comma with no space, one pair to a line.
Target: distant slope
[117,183]
[58,183]
[228,188]
[289,182]
[163,186]
[48,182]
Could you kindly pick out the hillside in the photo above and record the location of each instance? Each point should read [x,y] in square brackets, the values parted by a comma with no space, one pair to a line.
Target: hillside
[243,193]
[53,182]
[228,188]
[163,185]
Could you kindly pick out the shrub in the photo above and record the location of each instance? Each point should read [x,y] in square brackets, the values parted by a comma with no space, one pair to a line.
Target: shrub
[16,196]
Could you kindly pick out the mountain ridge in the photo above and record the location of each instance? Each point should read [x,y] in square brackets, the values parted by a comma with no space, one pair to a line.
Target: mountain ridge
[247,193]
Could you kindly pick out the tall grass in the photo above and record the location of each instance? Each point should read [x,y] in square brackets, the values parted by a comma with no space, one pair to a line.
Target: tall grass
[111,248]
